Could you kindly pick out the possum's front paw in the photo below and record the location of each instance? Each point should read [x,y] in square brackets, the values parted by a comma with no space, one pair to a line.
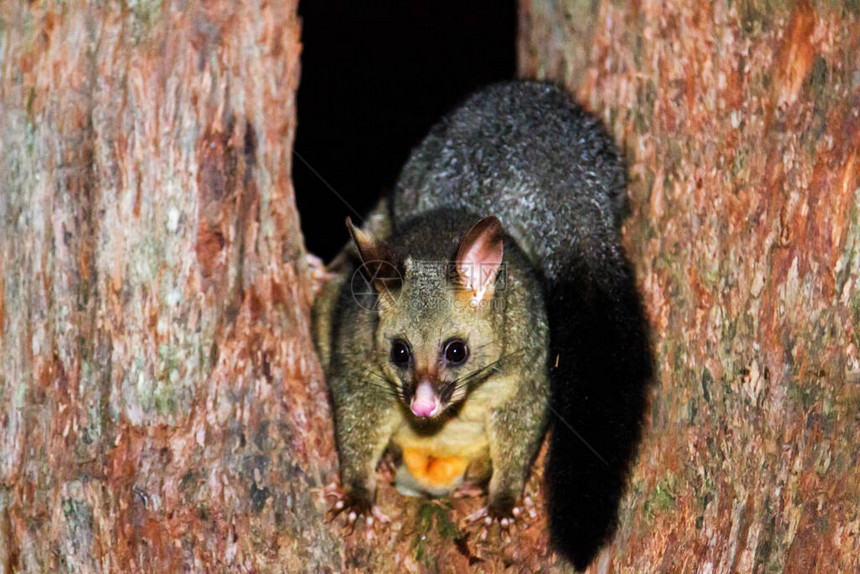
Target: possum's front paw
[485,517]
[354,504]
[501,513]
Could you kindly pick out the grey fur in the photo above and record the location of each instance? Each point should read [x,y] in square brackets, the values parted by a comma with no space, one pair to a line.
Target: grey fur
[526,153]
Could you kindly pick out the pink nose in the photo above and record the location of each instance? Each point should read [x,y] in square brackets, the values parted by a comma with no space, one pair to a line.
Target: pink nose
[425,403]
[423,409]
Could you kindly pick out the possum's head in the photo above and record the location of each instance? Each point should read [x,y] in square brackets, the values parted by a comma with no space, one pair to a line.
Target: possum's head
[440,323]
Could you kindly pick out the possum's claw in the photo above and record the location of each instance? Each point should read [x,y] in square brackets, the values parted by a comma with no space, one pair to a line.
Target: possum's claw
[317,273]
[354,509]
[485,520]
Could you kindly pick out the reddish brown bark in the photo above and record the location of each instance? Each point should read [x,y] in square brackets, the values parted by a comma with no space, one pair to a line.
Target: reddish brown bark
[161,405]
[740,123]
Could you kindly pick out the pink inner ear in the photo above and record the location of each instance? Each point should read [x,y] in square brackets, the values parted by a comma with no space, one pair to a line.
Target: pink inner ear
[480,255]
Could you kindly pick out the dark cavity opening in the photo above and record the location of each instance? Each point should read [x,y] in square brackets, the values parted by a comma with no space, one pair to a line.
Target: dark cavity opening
[375,76]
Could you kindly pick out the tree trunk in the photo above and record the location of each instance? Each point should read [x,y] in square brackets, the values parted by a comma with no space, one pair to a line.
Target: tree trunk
[741,128]
[161,405]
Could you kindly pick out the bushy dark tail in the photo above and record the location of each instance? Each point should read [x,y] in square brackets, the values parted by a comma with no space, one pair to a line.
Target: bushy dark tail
[599,394]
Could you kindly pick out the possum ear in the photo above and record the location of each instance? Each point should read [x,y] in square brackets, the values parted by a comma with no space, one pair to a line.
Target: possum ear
[380,264]
[479,258]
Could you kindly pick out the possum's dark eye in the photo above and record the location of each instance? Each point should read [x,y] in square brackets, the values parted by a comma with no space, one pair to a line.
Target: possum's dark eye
[400,353]
[456,351]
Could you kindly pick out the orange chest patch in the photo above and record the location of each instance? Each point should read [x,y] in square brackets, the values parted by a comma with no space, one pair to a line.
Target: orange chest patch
[434,471]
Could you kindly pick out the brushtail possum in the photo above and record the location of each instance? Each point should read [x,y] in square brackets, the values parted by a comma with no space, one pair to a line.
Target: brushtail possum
[485,300]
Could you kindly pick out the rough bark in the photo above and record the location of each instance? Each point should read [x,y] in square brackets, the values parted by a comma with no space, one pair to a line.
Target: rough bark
[741,127]
[160,404]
